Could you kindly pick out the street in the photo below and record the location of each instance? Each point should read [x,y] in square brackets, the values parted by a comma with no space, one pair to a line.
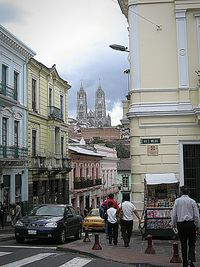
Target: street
[44,254]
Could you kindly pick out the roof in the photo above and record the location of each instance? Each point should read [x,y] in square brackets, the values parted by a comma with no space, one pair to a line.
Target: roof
[124,164]
[84,151]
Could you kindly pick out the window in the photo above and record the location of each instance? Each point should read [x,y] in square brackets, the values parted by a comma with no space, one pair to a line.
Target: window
[191,160]
[4,78]
[4,131]
[34,142]
[61,107]
[4,136]
[50,97]
[62,146]
[16,84]
[125,182]
[16,133]
[34,95]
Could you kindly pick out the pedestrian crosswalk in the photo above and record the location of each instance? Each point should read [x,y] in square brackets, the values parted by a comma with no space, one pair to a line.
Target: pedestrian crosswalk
[75,262]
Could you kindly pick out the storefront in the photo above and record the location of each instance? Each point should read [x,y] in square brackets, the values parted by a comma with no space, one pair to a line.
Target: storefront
[159,195]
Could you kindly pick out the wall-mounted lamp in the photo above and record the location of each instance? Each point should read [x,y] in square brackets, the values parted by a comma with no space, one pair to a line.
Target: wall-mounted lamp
[119,47]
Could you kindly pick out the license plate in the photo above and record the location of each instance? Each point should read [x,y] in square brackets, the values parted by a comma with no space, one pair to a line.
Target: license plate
[32,232]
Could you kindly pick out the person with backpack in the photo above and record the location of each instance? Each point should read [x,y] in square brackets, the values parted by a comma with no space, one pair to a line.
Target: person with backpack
[103,209]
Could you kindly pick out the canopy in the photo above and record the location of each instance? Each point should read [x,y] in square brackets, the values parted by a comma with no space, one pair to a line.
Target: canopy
[160,178]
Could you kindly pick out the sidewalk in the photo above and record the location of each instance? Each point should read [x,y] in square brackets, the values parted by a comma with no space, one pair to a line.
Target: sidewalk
[135,254]
[7,233]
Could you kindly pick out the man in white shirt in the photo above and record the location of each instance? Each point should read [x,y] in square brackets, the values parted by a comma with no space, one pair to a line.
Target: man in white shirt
[127,220]
[185,217]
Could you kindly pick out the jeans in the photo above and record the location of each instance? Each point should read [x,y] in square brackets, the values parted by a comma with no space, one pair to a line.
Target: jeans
[113,232]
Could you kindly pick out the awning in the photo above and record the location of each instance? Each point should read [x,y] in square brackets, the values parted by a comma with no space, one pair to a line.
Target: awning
[160,178]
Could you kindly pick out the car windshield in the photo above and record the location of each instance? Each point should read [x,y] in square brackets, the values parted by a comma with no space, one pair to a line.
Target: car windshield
[94,213]
[56,211]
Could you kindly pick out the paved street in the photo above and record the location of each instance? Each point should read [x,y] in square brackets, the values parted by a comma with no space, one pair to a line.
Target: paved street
[109,255]
[13,255]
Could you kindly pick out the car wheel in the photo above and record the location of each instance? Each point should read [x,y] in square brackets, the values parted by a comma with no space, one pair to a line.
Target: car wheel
[20,240]
[61,236]
[79,234]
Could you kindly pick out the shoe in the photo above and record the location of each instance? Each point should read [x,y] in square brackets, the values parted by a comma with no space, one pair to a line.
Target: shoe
[115,244]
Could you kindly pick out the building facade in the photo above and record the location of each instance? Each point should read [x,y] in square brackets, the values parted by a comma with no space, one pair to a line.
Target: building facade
[164,105]
[49,163]
[13,119]
[93,175]
[96,118]
[85,179]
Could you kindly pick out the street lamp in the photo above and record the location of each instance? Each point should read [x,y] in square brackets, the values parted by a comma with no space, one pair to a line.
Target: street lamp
[119,47]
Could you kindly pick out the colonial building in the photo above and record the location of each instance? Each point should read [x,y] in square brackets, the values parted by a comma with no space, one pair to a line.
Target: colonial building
[98,117]
[93,175]
[49,163]
[13,118]
[124,177]
[164,105]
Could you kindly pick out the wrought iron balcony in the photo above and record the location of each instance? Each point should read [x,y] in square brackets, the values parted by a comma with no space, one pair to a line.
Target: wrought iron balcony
[86,183]
[55,113]
[8,91]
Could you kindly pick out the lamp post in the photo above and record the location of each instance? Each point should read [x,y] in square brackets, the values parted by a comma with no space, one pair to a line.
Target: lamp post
[119,47]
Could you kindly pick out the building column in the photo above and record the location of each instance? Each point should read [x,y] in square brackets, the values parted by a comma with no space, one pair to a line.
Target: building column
[12,188]
[182,48]
[24,185]
[52,140]
[134,48]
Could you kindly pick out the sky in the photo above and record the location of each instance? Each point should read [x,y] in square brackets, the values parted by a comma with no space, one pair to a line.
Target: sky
[75,35]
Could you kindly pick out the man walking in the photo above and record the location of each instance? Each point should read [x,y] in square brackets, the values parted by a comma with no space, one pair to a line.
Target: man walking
[185,217]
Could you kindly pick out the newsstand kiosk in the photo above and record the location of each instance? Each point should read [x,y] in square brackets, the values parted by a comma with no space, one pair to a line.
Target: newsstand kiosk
[159,195]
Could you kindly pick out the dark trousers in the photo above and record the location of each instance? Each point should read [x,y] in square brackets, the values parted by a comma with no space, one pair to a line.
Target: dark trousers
[2,220]
[187,236]
[126,229]
[113,232]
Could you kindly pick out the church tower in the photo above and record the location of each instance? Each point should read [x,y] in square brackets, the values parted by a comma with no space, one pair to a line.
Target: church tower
[81,105]
[100,107]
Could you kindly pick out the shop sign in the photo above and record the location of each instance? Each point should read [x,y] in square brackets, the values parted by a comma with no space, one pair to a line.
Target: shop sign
[145,141]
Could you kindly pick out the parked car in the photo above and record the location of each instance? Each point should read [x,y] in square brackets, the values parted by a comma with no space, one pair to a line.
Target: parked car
[49,221]
[93,221]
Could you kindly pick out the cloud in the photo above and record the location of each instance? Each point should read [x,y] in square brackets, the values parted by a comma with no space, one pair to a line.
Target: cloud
[75,35]
[116,113]
[11,13]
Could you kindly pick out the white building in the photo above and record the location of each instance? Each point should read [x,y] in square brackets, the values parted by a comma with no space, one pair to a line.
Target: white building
[14,56]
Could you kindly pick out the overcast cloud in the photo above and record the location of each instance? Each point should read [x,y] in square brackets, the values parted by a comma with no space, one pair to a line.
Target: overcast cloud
[75,35]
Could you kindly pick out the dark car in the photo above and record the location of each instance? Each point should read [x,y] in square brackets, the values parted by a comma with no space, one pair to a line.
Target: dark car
[49,221]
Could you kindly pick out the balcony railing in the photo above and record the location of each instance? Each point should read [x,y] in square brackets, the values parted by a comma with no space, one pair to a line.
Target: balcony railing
[55,113]
[86,183]
[8,91]
[51,164]
[13,152]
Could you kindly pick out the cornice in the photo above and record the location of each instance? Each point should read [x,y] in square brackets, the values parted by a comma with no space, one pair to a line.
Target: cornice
[160,109]
[10,41]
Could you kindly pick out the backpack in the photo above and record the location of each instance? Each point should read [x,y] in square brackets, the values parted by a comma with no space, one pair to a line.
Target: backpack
[102,210]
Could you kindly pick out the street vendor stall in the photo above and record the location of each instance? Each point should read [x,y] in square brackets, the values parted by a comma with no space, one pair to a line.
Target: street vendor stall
[159,196]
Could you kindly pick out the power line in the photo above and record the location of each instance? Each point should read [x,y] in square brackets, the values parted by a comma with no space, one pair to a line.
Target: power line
[148,20]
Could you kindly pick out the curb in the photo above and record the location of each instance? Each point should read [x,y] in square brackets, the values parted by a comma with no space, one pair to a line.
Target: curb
[90,254]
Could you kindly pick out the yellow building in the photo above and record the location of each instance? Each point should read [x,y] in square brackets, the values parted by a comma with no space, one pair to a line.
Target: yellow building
[164,105]
[47,135]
